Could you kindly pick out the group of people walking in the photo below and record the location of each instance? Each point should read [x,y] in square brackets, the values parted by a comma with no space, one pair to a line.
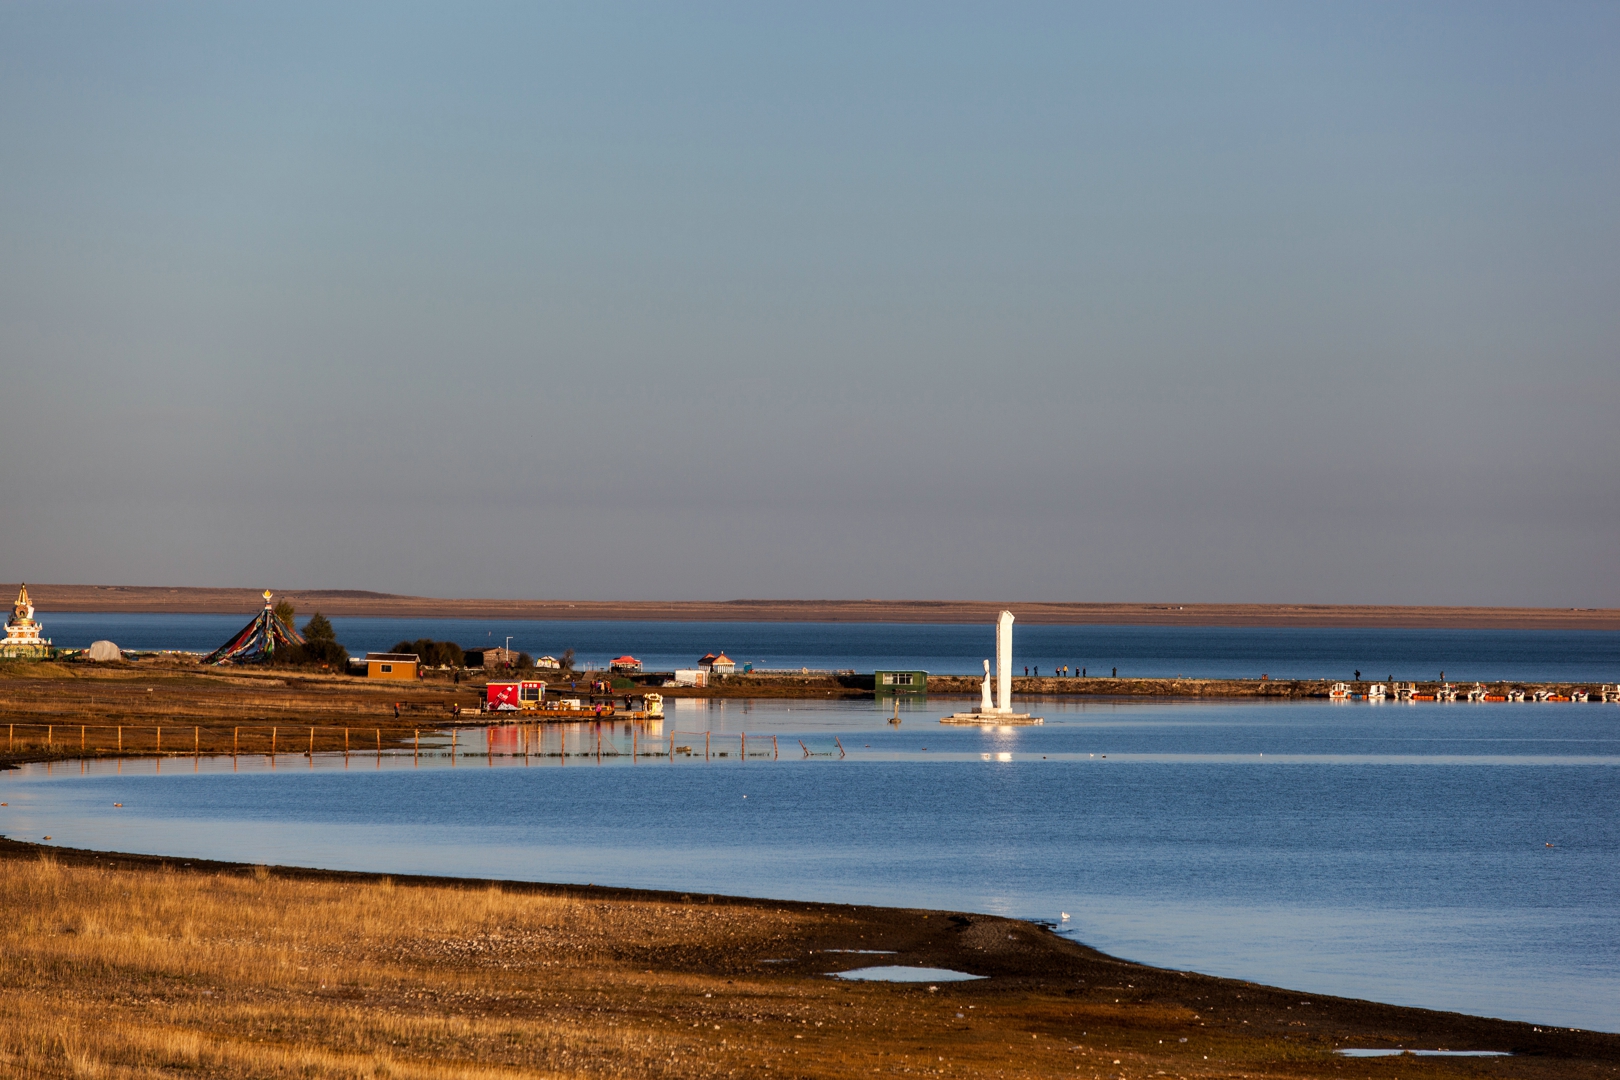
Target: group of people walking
[1063,672]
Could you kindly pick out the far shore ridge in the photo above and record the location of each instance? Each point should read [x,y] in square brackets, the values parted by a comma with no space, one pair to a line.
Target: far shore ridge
[360,603]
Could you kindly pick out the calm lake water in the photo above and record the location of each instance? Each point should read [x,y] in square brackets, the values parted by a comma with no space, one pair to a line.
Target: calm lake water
[1393,852]
[1195,652]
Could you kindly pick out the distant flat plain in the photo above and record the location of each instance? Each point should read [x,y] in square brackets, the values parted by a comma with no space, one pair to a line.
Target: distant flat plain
[358,603]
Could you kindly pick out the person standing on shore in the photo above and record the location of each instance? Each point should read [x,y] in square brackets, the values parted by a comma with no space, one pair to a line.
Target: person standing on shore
[1116,673]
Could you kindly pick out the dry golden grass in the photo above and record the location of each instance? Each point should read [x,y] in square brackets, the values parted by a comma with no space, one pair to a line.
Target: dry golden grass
[121,974]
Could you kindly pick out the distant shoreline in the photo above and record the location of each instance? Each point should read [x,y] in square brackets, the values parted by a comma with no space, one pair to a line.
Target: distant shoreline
[134,599]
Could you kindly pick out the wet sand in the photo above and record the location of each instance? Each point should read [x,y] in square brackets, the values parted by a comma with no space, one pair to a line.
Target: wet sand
[348,602]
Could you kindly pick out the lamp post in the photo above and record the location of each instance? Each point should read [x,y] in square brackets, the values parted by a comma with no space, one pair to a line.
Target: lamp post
[508,653]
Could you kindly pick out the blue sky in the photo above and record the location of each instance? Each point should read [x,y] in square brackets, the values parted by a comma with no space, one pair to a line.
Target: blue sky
[1249,302]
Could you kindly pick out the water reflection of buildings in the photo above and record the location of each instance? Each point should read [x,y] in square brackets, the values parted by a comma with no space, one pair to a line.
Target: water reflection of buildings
[617,736]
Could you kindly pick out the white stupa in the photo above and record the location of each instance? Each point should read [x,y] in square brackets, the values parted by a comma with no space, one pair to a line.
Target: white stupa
[22,632]
[1001,712]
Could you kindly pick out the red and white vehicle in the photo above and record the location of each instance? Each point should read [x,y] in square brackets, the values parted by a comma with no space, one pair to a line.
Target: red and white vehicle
[513,696]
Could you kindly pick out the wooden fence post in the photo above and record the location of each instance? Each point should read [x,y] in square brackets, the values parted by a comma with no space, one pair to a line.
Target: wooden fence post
[81,738]
[705,746]
[272,742]
[50,736]
[196,741]
[236,737]
[160,740]
[312,742]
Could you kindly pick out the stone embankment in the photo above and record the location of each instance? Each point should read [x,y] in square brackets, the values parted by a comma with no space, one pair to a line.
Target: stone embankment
[1032,686]
[852,685]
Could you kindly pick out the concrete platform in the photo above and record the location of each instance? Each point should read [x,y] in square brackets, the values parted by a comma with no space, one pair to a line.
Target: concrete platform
[990,719]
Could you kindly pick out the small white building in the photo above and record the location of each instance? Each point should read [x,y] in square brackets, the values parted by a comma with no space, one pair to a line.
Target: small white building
[691,677]
[549,663]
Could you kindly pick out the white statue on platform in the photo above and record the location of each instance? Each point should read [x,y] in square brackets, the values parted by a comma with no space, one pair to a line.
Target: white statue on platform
[999,712]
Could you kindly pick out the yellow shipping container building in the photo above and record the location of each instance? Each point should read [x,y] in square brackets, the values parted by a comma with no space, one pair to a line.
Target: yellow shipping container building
[388,665]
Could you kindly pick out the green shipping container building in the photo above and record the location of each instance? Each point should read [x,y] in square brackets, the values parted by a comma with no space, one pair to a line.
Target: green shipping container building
[900,682]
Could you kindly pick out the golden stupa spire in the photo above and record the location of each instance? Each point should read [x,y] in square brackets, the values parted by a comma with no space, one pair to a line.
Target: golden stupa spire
[23,609]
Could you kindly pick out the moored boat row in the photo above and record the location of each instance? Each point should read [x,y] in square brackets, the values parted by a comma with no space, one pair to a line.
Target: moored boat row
[1478,692]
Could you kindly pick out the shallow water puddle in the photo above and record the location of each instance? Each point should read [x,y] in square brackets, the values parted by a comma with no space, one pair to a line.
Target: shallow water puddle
[894,973]
[1424,1053]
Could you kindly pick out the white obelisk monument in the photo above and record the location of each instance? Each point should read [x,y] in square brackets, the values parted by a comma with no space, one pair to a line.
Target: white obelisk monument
[1004,662]
[1001,712]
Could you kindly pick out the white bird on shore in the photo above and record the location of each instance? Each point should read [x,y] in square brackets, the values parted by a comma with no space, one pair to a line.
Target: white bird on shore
[1065,916]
